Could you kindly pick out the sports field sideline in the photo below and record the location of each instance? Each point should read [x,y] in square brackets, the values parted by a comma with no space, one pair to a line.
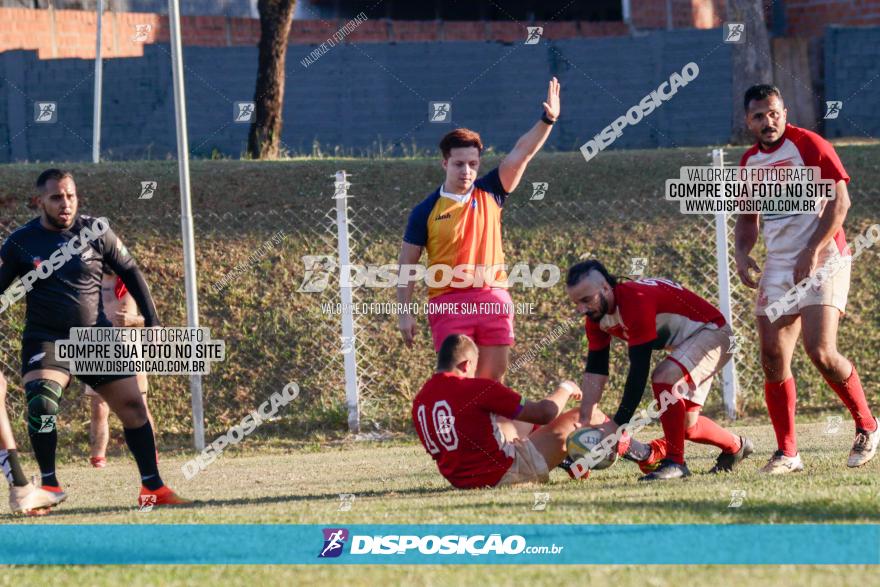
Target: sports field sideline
[273,479]
[395,482]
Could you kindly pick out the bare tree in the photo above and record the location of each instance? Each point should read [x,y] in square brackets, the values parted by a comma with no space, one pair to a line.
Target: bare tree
[751,60]
[264,138]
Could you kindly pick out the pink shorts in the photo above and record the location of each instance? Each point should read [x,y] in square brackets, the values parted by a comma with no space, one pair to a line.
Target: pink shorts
[486,315]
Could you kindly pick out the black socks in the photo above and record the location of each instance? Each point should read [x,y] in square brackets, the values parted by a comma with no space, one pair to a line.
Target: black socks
[143,447]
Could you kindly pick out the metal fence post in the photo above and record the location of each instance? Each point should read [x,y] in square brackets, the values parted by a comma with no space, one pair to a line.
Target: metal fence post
[99,85]
[186,220]
[349,350]
[728,375]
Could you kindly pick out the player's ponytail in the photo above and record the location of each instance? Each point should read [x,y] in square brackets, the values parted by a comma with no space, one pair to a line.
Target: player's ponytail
[580,270]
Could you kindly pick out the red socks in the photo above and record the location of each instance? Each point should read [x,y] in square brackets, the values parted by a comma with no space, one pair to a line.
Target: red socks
[853,397]
[706,431]
[673,423]
[781,399]
[658,450]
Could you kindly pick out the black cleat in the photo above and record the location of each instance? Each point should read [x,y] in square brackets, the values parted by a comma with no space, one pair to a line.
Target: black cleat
[667,470]
[567,465]
[728,460]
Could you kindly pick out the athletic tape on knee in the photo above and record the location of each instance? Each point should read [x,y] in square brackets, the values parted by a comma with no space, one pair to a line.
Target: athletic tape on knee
[43,397]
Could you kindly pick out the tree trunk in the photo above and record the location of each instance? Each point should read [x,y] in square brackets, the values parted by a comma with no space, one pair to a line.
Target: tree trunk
[264,138]
[751,60]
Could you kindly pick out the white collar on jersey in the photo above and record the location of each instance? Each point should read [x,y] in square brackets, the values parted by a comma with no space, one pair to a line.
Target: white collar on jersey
[460,198]
[611,320]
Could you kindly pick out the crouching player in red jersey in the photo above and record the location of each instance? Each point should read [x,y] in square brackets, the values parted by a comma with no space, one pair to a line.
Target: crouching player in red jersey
[455,416]
[654,314]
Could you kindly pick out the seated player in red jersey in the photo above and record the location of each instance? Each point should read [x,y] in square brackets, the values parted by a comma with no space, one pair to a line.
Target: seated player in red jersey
[455,416]
[657,314]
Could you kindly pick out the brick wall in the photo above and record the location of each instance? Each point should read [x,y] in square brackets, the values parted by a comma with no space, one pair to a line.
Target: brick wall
[804,18]
[701,14]
[707,14]
[808,18]
[71,33]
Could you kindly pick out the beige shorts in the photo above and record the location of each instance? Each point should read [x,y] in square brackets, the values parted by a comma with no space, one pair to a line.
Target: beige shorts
[141,380]
[777,295]
[528,465]
[704,354]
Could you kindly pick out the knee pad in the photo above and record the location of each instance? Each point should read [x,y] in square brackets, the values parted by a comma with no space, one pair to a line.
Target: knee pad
[43,397]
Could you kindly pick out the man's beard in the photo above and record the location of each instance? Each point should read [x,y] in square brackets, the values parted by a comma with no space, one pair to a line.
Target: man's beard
[58,223]
[603,309]
[765,142]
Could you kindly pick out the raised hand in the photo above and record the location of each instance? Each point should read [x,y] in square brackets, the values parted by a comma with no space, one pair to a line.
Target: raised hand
[551,106]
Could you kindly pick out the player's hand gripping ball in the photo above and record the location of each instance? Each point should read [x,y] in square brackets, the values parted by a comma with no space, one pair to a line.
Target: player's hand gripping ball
[580,442]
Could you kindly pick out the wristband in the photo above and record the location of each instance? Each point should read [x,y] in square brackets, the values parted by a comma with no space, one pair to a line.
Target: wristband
[546,120]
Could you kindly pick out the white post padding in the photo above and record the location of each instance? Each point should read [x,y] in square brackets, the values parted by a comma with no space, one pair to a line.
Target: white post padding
[728,374]
[349,346]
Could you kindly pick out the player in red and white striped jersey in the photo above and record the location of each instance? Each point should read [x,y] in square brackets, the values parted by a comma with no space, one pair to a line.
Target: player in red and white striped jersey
[656,314]
[797,245]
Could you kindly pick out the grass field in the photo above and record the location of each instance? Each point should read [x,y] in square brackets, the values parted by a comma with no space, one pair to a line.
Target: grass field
[434,575]
[395,482]
[274,334]
[292,471]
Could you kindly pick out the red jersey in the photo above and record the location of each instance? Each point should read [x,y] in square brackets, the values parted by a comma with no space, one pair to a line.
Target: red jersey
[649,309]
[786,235]
[455,419]
[119,289]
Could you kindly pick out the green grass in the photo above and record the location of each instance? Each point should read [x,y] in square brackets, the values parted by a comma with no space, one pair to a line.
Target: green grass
[611,208]
[234,185]
[433,575]
[395,482]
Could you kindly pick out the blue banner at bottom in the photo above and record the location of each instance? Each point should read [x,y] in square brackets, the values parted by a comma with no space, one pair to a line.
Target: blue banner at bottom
[187,544]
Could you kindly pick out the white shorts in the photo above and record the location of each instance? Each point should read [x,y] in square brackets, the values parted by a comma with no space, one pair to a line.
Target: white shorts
[777,295]
[703,355]
[528,465]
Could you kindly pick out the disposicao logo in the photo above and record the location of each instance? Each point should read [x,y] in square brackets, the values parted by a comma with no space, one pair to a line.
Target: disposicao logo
[334,540]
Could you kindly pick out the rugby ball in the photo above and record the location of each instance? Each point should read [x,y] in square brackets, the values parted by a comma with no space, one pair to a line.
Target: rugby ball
[581,442]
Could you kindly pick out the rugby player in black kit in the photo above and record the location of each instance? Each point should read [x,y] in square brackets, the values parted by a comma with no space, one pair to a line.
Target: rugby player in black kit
[68,296]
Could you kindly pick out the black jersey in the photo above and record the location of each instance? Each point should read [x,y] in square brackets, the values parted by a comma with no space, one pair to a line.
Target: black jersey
[61,275]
